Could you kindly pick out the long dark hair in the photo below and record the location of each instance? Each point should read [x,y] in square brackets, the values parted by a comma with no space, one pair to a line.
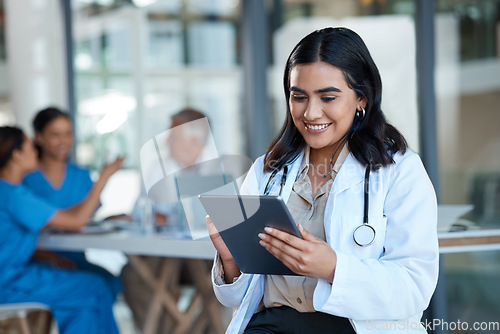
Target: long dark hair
[11,139]
[43,118]
[371,139]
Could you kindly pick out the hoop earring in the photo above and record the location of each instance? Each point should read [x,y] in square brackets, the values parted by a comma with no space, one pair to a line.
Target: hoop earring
[361,113]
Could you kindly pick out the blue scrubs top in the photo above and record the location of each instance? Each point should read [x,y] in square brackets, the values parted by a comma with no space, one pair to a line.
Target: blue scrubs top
[80,301]
[22,216]
[75,186]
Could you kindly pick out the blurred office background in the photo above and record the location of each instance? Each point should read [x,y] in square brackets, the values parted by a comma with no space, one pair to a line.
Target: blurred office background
[122,67]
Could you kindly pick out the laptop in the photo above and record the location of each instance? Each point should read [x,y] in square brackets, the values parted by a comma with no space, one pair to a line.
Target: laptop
[191,211]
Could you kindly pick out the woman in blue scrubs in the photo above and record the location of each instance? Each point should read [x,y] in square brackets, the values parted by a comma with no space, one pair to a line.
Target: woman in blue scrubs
[60,182]
[81,301]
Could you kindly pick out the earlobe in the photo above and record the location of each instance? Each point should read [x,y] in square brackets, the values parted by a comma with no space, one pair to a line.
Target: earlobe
[362,101]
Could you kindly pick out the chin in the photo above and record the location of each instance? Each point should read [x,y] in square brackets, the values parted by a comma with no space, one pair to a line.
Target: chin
[62,157]
[32,169]
[315,144]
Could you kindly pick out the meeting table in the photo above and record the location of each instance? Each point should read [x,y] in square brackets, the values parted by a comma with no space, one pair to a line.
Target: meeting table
[203,311]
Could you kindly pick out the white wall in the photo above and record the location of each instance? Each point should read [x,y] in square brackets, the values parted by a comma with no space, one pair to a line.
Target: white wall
[447,88]
[36,61]
[4,83]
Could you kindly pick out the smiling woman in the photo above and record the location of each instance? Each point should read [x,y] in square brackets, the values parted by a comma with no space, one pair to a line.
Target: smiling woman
[320,108]
[54,133]
[60,182]
[322,113]
[347,86]
[334,137]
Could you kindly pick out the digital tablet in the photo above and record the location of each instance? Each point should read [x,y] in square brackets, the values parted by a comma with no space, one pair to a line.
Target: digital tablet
[240,218]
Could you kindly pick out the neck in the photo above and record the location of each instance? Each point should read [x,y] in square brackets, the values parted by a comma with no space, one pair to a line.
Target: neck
[326,155]
[48,164]
[12,174]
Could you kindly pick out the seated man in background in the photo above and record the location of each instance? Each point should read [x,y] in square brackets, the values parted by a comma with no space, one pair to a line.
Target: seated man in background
[186,152]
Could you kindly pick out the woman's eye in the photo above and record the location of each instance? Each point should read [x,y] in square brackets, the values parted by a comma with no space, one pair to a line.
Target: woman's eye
[298,98]
[328,98]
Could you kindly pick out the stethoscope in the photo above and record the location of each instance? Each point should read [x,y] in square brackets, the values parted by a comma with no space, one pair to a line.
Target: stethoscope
[364,235]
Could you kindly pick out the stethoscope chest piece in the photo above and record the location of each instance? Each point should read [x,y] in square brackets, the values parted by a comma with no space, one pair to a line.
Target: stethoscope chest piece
[364,235]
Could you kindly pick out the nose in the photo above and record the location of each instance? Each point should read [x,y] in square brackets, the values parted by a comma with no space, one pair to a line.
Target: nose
[313,110]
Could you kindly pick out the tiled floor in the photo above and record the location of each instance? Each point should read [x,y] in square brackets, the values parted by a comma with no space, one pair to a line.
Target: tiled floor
[113,261]
[123,317]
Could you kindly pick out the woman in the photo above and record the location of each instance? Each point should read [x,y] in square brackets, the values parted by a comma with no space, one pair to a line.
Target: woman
[358,274]
[60,182]
[81,301]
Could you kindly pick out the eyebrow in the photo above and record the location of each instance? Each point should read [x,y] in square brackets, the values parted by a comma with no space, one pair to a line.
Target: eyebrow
[323,90]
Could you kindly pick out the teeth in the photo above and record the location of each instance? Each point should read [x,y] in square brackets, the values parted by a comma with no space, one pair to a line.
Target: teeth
[317,127]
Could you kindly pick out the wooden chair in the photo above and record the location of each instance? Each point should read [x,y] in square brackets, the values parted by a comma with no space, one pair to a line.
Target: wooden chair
[25,318]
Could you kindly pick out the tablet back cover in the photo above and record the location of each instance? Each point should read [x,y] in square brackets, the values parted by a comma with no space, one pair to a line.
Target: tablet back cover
[239,220]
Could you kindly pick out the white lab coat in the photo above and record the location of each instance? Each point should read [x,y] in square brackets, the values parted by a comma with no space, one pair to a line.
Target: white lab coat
[381,288]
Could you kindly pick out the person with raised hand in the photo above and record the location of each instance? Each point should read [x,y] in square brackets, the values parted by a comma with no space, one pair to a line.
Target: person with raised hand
[61,183]
[80,301]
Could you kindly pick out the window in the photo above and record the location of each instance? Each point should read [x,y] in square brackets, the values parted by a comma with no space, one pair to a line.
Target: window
[468,127]
[135,66]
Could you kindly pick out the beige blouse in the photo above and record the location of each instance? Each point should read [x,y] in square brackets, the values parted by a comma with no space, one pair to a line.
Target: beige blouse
[307,210]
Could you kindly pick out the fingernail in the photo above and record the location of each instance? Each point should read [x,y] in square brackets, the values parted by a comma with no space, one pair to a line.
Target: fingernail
[262,243]
[262,235]
[268,229]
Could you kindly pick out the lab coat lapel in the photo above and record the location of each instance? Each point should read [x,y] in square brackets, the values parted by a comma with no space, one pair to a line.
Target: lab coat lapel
[292,176]
[293,170]
[350,174]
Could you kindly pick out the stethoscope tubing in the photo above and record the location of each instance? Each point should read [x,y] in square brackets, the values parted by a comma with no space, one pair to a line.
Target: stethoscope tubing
[365,234]
[267,189]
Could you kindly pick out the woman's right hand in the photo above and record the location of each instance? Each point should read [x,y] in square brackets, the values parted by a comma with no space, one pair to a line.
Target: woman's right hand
[111,168]
[231,269]
[219,244]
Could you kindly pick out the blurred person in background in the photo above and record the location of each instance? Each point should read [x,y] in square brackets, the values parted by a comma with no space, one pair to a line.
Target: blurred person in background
[61,183]
[81,301]
[185,152]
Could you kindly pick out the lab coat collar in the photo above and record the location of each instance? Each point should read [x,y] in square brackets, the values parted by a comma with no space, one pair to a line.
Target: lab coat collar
[351,173]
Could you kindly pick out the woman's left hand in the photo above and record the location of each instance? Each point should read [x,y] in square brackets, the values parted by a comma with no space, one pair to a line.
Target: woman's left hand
[310,256]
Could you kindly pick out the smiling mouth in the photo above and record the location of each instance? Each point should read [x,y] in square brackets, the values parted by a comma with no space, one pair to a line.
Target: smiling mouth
[317,126]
